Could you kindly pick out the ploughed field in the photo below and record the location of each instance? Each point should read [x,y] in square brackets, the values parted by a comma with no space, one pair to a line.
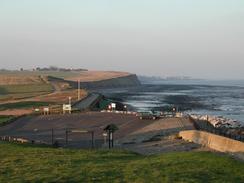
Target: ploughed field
[23,163]
[39,128]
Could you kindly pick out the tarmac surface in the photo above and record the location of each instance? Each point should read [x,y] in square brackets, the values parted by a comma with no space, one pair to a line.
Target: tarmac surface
[141,136]
[39,128]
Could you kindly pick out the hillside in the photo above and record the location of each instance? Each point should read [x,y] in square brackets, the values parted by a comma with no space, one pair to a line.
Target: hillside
[55,86]
[35,164]
[94,78]
[117,82]
[89,76]
[18,79]
[100,79]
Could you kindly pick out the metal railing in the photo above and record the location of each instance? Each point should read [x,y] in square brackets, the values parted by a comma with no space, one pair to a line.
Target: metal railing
[55,137]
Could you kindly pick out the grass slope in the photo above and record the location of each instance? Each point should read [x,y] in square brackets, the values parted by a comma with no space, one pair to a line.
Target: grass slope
[35,164]
[58,74]
[23,105]
[26,88]
[5,119]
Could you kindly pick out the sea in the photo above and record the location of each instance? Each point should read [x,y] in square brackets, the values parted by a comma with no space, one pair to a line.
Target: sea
[216,98]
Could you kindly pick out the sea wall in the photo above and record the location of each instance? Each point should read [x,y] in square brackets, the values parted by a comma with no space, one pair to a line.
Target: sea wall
[217,121]
[212,141]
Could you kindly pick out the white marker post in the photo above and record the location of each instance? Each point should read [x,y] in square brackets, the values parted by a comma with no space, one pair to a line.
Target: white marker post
[105,138]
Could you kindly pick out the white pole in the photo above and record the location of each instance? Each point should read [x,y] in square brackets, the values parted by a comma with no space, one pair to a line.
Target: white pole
[69,100]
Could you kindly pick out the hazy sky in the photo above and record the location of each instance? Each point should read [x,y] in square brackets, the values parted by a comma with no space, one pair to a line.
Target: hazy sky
[199,38]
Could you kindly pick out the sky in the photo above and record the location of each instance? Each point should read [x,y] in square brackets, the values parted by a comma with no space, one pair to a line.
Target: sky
[196,38]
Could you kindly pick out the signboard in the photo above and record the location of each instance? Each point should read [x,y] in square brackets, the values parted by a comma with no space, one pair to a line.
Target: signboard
[46,109]
[67,107]
[105,134]
[113,105]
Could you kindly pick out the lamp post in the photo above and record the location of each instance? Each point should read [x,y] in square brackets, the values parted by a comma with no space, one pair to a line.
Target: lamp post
[125,107]
[78,89]
[69,100]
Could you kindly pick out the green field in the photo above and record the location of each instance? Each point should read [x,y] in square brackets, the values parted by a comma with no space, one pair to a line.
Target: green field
[5,119]
[20,163]
[20,96]
[58,74]
[22,105]
[27,88]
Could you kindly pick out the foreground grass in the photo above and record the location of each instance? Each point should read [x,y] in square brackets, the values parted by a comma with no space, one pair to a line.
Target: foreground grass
[41,164]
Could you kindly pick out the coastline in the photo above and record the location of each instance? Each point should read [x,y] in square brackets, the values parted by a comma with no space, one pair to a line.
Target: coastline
[217,101]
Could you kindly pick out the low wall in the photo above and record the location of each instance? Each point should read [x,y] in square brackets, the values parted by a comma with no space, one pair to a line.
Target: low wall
[212,141]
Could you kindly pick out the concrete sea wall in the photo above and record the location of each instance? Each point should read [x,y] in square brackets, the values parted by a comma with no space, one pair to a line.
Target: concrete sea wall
[213,141]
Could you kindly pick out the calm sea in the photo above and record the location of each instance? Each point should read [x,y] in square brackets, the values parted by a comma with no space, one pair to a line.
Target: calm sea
[219,98]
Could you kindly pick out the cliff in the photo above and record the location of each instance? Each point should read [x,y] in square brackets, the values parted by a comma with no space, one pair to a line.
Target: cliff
[123,81]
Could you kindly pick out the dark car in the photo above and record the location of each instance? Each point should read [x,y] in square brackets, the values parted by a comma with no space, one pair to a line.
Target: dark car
[147,115]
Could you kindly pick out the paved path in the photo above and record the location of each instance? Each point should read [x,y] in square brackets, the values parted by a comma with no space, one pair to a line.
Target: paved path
[159,136]
[87,102]
[141,136]
[39,127]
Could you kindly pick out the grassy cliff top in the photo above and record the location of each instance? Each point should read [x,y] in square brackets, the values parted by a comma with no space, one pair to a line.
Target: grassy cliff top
[33,77]
[88,76]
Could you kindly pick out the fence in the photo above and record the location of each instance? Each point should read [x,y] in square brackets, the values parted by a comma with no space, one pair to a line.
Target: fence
[77,138]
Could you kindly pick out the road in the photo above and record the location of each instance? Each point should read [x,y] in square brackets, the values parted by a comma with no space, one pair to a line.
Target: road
[87,102]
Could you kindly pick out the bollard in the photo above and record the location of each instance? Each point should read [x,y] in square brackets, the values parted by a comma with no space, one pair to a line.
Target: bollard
[93,143]
[66,137]
[52,136]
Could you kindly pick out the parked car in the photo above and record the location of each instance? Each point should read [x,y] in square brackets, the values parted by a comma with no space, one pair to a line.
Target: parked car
[147,115]
[168,115]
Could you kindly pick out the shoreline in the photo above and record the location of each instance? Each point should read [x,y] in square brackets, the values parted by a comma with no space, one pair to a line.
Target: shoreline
[202,100]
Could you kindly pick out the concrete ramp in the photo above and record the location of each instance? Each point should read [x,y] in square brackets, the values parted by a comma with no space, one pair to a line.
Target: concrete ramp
[167,124]
[88,102]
